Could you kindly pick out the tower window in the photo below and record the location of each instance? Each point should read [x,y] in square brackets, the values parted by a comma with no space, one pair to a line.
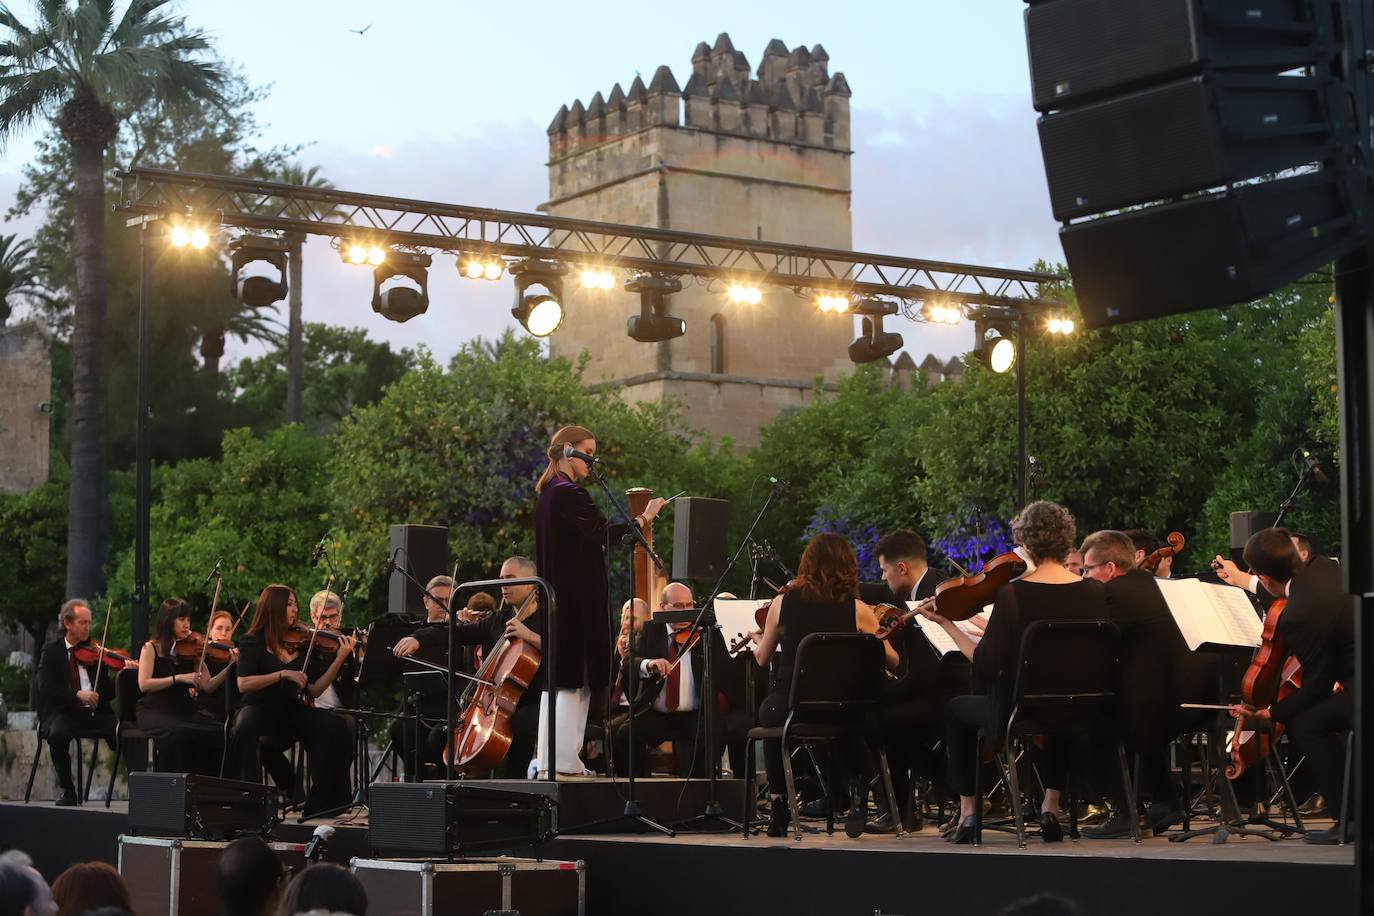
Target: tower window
[716,344]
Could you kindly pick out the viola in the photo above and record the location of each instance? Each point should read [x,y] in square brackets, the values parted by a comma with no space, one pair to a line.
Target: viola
[91,652]
[1173,548]
[959,598]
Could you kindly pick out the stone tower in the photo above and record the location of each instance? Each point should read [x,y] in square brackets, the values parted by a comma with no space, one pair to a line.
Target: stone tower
[761,156]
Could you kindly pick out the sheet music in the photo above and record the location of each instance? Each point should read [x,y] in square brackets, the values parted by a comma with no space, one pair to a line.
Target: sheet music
[1211,613]
[939,640]
[1236,613]
[735,618]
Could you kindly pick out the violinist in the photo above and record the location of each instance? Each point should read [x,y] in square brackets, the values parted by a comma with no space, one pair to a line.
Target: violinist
[73,697]
[1318,627]
[326,611]
[218,660]
[671,674]
[188,740]
[274,687]
[1045,530]
[823,600]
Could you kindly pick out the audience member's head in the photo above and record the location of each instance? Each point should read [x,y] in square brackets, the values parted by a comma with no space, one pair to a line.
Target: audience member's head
[1044,905]
[250,876]
[86,886]
[324,886]
[23,892]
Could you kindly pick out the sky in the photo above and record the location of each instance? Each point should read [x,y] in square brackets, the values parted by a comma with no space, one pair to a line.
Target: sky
[448,100]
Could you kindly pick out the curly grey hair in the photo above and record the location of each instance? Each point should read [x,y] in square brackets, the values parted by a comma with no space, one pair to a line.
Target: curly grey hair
[1047,531]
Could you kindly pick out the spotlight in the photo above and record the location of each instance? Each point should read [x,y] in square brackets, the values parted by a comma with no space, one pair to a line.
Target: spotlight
[199,239]
[254,290]
[832,302]
[481,267]
[943,312]
[376,256]
[596,278]
[181,236]
[494,270]
[744,294]
[357,252]
[539,313]
[400,302]
[994,343]
[1059,324]
[874,343]
[653,323]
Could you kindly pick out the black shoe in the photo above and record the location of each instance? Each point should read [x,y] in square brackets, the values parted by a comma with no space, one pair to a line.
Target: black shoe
[67,799]
[816,807]
[880,824]
[854,820]
[1119,826]
[1314,806]
[1330,837]
[779,817]
[963,834]
[1050,831]
[1159,818]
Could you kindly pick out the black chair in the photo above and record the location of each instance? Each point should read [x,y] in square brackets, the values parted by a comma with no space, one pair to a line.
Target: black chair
[1064,701]
[83,788]
[835,693]
[127,694]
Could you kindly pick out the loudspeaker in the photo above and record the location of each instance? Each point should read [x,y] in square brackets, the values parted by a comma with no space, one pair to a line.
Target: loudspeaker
[201,807]
[448,818]
[1245,525]
[424,554]
[699,529]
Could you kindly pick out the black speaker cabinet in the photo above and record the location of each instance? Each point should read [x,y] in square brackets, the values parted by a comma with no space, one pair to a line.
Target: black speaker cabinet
[424,554]
[1244,525]
[454,818]
[203,807]
[699,531]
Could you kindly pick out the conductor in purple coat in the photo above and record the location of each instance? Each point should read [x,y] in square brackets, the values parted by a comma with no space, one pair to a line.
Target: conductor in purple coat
[571,538]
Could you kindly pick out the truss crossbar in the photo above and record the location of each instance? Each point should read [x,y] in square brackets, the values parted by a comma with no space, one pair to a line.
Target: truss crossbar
[249,204]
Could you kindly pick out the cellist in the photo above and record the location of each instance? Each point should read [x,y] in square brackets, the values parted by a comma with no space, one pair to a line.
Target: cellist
[1318,627]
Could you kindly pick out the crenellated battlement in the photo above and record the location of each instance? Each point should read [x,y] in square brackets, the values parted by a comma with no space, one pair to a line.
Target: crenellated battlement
[791,98]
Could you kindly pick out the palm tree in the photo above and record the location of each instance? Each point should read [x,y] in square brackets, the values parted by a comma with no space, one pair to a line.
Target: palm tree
[20,274]
[88,69]
[296,174]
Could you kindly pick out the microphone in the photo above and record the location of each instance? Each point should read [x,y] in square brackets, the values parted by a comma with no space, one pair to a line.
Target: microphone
[1314,468]
[570,452]
[319,551]
[782,485]
[319,841]
[392,565]
[214,572]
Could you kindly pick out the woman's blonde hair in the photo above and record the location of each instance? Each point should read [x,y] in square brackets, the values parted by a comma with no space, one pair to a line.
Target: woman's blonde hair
[566,436]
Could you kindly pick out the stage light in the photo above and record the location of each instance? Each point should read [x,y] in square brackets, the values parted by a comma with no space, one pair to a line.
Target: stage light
[832,302]
[1002,356]
[1060,325]
[653,323]
[943,311]
[363,252]
[355,254]
[199,239]
[596,278]
[539,313]
[494,270]
[481,267]
[994,343]
[181,236]
[255,290]
[744,294]
[400,302]
[873,343]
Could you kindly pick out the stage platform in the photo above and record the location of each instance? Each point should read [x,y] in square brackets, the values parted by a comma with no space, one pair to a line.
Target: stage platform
[714,873]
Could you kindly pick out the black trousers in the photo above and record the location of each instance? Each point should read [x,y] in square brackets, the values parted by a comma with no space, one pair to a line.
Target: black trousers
[850,758]
[185,745]
[323,734]
[1319,733]
[652,728]
[964,716]
[911,729]
[63,727]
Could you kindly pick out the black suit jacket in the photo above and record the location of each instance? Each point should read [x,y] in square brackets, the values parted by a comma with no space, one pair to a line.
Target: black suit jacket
[1318,626]
[1155,661]
[652,642]
[55,691]
[921,669]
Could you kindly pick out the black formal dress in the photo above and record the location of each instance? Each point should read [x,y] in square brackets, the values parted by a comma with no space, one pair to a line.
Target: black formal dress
[676,713]
[279,714]
[798,618]
[1017,605]
[63,718]
[1318,626]
[188,739]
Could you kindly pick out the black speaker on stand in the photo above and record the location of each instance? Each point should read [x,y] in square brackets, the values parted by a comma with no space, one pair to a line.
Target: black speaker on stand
[423,552]
[699,532]
[1245,525]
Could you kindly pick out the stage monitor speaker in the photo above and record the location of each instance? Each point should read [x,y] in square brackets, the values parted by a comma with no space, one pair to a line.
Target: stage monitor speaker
[1244,525]
[200,807]
[699,532]
[454,818]
[423,551]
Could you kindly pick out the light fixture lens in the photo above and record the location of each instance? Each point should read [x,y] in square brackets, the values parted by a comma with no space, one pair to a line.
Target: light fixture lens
[607,281]
[825,303]
[493,269]
[473,269]
[1066,326]
[376,255]
[1056,326]
[181,236]
[588,279]
[841,304]
[747,295]
[199,238]
[545,317]
[1003,355]
[356,254]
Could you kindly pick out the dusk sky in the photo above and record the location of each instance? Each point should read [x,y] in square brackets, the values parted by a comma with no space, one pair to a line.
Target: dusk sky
[450,101]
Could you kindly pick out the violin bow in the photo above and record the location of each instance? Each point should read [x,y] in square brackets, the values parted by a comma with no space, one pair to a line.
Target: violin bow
[214,603]
[100,655]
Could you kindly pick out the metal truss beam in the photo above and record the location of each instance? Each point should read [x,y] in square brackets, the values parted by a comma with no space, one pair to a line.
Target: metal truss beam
[248,204]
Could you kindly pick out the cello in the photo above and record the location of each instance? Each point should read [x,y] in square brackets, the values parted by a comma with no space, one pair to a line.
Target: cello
[1272,675]
[1172,549]
[484,735]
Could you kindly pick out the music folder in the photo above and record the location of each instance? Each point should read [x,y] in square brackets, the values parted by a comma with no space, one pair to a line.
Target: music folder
[1212,615]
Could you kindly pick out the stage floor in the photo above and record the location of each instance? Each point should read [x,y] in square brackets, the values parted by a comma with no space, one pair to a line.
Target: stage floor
[724,873]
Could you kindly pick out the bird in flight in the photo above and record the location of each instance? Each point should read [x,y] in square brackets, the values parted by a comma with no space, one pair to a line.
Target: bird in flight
[362,31]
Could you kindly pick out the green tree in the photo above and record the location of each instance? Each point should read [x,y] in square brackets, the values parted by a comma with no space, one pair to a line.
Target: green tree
[90,69]
[20,274]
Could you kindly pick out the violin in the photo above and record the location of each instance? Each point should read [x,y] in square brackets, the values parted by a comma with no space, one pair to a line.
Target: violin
[91,652]
[1173,548]
[193,648]
[326,641]
[959,598]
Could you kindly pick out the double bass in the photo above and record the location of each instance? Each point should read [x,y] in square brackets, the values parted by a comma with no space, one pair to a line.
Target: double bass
[484,734]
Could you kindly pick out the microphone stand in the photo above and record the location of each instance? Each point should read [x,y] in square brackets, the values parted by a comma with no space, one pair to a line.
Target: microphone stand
[634,812]
[713,813]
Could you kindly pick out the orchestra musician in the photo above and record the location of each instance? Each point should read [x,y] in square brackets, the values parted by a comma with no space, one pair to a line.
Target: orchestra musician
[823,599]
[1045,531]
[426,747]
[1318,627]
[1145,544]
[326,613]
[72,698]
[571,539]
[220,630]
[188,739]
[674,677]
[274,687]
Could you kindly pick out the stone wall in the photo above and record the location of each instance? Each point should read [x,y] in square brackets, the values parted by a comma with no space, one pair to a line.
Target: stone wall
[25,406]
